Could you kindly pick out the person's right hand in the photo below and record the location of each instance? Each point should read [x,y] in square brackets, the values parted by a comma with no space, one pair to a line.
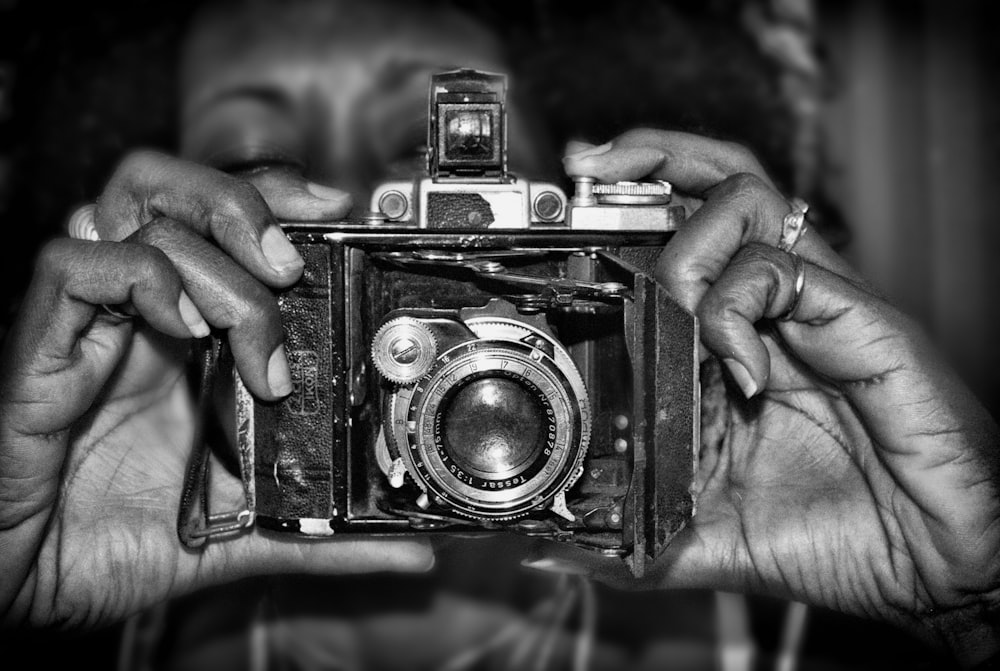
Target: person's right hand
[96,422]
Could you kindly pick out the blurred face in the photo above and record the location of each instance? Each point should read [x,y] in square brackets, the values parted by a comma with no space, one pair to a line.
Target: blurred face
[339,88]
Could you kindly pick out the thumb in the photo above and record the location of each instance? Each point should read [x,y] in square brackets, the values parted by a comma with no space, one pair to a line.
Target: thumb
[293,198]
[574,147]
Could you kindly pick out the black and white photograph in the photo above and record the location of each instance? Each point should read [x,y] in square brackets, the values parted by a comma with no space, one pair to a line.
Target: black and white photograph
[500,335]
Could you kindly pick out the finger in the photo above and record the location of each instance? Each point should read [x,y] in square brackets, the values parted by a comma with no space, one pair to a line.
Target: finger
[667,571]
[270,552]
[58,357]
[743,209]
[576,146]
[258,554]
[579,149]
[57,360]
[850,337]
[73,277]
[759,283]
[916,410]
[149,185]
[230,299]
[291,197]
[741,203]
[266,554]
[692,163]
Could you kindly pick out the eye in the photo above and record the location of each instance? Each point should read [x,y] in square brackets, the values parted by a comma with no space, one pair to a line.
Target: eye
[407,162]
[395,116]
[242,132]
[243,157]
[400,143]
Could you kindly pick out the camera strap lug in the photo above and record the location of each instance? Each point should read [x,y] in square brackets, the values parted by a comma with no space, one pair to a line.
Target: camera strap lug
[195,523]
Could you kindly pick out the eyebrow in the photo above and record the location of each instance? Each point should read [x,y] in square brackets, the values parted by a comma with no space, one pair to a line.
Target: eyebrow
[271,96]
[398,72]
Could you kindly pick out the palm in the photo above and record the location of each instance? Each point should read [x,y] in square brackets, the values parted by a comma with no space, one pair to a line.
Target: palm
[109,546]
[114,514]
[117,505]
[819,517]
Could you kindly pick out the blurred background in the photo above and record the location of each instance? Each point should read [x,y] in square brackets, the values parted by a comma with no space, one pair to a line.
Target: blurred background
[883,115]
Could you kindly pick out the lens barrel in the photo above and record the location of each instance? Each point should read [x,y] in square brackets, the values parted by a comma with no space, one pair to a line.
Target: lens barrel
[497,426]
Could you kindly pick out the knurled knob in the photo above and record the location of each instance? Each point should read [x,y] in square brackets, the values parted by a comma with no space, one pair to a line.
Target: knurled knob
[404,349]
[656,192]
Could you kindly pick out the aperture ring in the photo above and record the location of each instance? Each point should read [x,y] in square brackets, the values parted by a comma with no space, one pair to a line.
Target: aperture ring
[451,483]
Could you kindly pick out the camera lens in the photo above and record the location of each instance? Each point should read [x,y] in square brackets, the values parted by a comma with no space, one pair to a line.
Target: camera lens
[494,427]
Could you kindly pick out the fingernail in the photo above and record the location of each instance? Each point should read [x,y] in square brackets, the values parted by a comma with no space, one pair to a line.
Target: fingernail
[326,192]
[590,151]
[575,146]
[427,559]
[278,251]
[192,317]
[742,377]
[279,377]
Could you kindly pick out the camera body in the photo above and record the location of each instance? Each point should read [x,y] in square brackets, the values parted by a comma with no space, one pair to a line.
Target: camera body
[481,354]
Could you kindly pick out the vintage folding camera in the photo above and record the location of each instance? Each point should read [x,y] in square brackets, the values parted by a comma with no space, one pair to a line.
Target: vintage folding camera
[481,354]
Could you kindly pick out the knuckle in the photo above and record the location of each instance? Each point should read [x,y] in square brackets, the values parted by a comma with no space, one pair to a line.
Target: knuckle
[139,163]
[743,158]
[744,185]
[264,307]
[122,206]
[706,308]
[240,204]
[677,275]
[257,306]
[145,281]
[54,257]
[639,137]
[673,271]
[152,269]
[757,258]
[241,200]
[714,309]
[755,254]
[158,233]
[719,309]
[760,206]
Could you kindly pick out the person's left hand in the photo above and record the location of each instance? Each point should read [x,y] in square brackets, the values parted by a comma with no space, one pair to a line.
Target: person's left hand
[855,470]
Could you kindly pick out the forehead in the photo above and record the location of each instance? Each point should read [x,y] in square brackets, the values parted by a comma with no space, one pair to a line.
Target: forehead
[338,47]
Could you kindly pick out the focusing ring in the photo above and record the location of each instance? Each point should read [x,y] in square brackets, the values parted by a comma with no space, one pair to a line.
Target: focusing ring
[501,498]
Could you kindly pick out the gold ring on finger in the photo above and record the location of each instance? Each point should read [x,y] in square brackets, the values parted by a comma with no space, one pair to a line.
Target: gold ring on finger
[800,283]
[81,224]
[116,313]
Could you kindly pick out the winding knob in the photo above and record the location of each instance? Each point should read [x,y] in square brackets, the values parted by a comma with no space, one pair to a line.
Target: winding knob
[633,193]
[404,349]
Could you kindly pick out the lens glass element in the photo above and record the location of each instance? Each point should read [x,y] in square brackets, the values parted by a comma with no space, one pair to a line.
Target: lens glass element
[469,135]
[494,427]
